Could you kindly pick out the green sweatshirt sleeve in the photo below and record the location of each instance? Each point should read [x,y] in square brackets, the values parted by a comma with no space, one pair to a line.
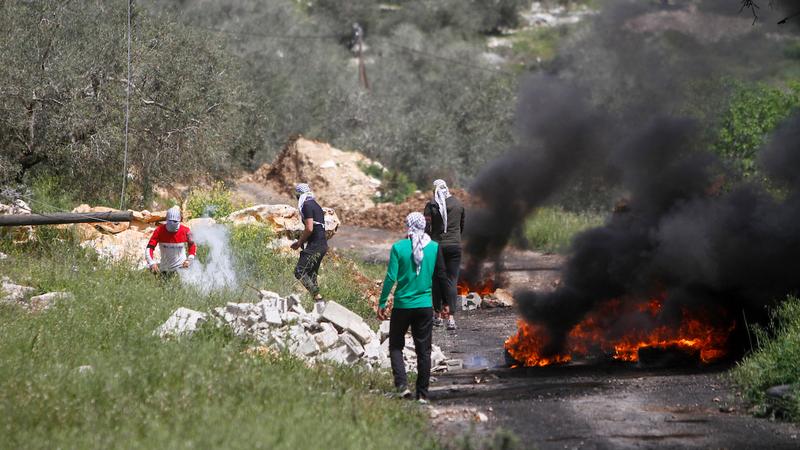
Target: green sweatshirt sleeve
[391,277]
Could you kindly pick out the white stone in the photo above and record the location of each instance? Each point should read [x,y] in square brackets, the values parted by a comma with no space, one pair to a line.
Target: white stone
[481,417]
[297,333]
[361,331]
[383,330]
[3,256]
[272,316]
[327,338]
[339,355]
[329,164]
[352,344]
[85,369]
[298,308]
[268,295]
[373,351]
[437,356]
[340,316]
[308,347]
[291,316]
[182,321]
[47,300]
[15,292]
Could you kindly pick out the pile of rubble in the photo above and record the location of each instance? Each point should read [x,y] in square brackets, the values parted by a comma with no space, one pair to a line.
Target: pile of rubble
[17,294]
[337,177]
[335,334]
[283,219]
[500,298]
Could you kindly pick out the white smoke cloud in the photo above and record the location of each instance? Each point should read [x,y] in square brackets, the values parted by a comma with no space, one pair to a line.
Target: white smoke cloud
[217,272]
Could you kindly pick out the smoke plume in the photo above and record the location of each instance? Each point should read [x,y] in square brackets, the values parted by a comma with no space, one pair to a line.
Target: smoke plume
[217,272]
[627,104]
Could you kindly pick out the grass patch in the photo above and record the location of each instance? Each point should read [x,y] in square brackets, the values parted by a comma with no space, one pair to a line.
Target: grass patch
[551,229]
[776,360]
[203,391]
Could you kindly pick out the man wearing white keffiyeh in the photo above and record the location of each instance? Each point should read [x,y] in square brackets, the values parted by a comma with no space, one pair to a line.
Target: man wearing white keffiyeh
[312,243]
[419,238]
[415,265]
[445,215]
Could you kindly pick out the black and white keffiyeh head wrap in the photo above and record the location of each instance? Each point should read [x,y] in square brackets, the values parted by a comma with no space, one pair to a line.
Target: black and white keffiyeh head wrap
[304,192]
[440,195]
[419,238]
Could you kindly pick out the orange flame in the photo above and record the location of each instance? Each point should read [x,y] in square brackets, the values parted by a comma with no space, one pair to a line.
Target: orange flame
[483,288]
[695,333]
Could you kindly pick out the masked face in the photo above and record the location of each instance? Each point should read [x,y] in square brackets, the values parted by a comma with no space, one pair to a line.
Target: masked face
[173,225]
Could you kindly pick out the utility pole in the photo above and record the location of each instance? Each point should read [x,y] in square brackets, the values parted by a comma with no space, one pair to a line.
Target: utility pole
[358,38]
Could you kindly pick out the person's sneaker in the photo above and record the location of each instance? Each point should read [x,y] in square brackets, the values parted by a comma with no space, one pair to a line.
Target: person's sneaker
[423,401]
[451,324]
[437,321]
[403,392]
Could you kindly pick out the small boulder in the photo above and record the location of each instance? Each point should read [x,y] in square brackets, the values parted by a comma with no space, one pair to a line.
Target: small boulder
[182,322]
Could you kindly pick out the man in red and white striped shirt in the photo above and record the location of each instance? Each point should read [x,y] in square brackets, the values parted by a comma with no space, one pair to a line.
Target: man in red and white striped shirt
[172,239]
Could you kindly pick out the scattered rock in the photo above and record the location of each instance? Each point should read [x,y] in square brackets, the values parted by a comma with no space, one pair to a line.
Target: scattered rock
[85,370]
[780,399]
[18,235]
[44,301]
[183,321]
[481,417]
[3,256]
[13,293]
[284,220]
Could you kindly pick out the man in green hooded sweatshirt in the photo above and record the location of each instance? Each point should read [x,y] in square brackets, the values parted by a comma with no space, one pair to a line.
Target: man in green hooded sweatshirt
[415,263]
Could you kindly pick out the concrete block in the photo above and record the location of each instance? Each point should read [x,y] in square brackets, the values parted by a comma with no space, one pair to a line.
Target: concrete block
[453,364]
[308,347]
[340,316]
[292,301]
[352,344]
[273,317]
[339,355]
[183,321]
[361,331]
[268,295]
[474,301]
[327,338]
[298,308]
[290,317]
[372,350]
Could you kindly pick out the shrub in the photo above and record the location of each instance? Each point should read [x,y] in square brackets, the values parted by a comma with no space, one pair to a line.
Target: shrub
[214,202]
[753,111]
[776,360]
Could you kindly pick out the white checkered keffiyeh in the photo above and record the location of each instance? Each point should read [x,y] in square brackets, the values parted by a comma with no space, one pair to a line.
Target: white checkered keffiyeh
[419,238]
[305,194]
[440,195]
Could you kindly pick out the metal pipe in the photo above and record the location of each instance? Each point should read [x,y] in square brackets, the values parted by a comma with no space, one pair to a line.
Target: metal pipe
[16,220]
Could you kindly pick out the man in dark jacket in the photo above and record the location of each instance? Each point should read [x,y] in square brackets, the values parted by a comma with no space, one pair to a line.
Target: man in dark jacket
[313,244]
[445,218]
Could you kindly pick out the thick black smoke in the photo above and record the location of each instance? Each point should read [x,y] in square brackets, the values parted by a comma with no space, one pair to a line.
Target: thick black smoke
[615,108]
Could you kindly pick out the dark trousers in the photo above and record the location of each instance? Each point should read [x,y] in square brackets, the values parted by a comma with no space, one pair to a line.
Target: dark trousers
[421,322]
[308,266]
[452,261]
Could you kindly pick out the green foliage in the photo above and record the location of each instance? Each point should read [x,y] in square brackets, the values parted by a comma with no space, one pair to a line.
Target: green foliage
[63,72]
[776,360]
[753,111]
[49,197]
[205,390]
[551,229]
[396,187]
[214,202]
